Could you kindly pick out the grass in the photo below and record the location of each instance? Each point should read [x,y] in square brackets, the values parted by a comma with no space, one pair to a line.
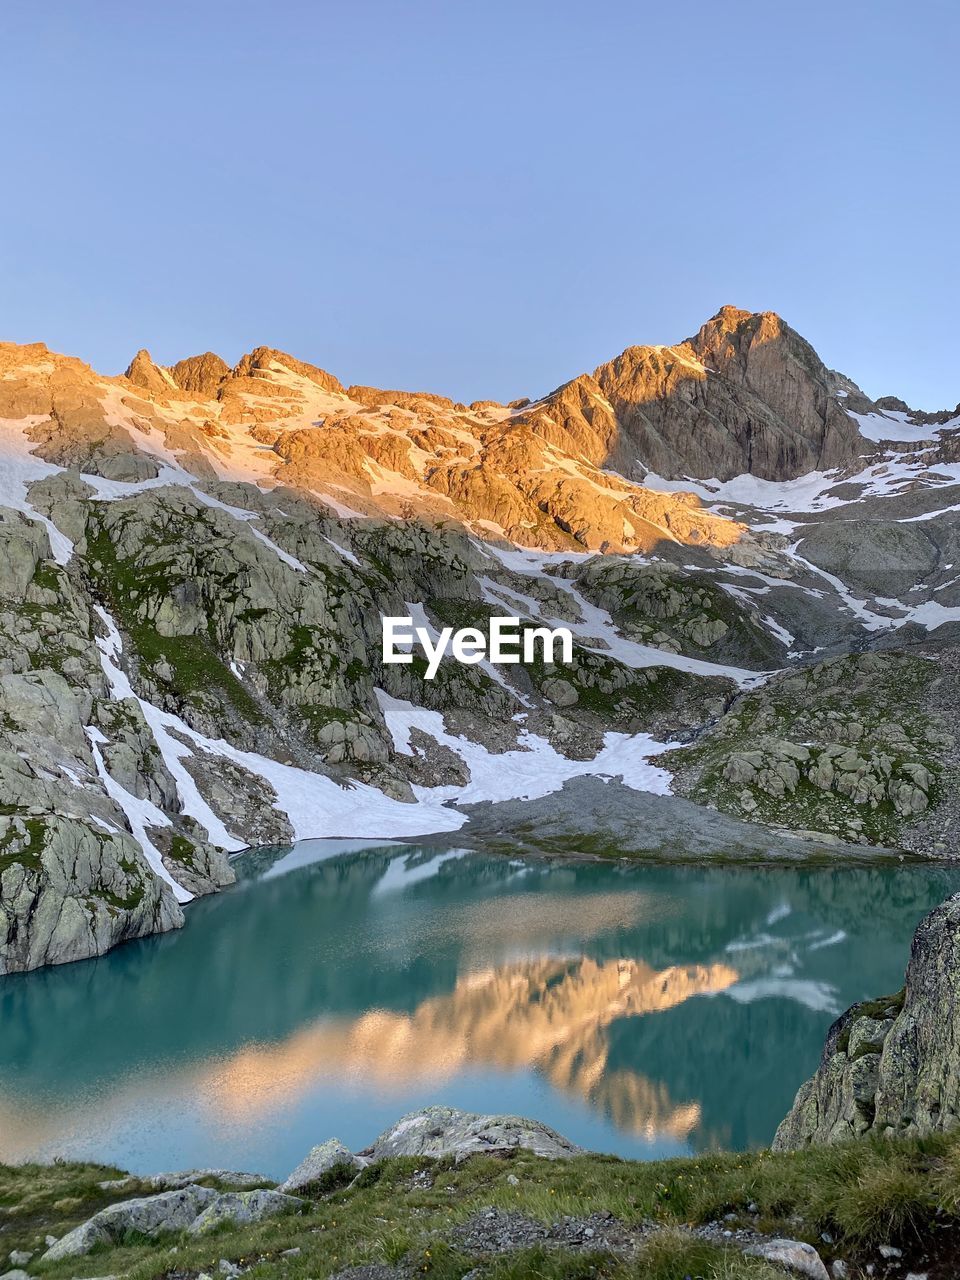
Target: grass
[903,1192]
[197,671]
[31,842]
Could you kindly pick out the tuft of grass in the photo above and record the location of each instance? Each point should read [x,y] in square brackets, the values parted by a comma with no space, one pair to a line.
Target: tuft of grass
[888,1200]
[539,1263]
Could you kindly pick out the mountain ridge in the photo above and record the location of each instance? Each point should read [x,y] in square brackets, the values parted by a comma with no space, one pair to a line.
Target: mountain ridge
[194,577]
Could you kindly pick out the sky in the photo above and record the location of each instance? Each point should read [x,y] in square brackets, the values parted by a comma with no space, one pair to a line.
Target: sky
[481,199]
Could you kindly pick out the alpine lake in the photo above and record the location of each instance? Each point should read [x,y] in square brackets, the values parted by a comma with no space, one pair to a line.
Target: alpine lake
[645,1010]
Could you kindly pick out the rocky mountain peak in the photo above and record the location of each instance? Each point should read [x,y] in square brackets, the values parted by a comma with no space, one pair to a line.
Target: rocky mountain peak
[747,394]
[261,360]
[143,372]
[201,375]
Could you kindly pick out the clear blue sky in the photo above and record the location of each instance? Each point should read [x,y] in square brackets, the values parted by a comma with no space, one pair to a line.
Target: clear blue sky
[482,198]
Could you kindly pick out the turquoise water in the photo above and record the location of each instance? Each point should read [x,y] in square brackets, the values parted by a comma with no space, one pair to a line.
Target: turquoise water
[640,1010]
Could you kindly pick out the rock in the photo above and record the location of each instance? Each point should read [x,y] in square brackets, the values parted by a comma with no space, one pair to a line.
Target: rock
[144,373]
[291,1253]
[445,1131]
[890,1251]
[891,1065]
[74,891]
[20,1257]
[243,1207]
[23,545]
[560,692]
[839,1269]
[322,1161]
[794,1255]
[150,1216]
[800,728]
[880,557]
[15,1275]
[228,1268]
[200,376]
[185,1178]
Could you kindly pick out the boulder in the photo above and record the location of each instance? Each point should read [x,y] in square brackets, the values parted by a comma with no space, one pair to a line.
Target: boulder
[243,1207]
[445,1131]
[795,1256]
[176,1181]
[319,1162]
[150,1216]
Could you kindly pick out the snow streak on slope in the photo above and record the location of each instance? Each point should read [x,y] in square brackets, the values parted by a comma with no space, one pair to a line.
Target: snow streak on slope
[141,815]
[595,623]
[895,425]
[318,806]
[18,470]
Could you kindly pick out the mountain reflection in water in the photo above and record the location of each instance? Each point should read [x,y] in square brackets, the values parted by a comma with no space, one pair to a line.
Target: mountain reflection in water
[637,1009]
[549,1015]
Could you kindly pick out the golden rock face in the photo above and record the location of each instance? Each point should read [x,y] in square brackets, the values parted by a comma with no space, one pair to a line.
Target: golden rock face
[536,476]
[745,394]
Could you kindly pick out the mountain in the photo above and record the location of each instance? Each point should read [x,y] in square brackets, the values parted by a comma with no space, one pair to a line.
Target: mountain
[760,566]
[746,395]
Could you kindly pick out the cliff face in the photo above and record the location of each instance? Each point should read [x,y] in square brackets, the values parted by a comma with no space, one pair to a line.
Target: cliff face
[747,394]
[891,1066]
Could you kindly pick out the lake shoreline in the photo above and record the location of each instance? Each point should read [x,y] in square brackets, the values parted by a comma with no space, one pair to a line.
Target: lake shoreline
[593,819]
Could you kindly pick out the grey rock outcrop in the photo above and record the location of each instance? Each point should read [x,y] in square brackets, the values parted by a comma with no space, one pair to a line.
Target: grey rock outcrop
[191,1208]
[436,1132]
[891,1066]
[151,1216]
[324,1160]
[881,557]
[243,1207]
[794,1256]
[852,747]
[440,1131]
[185,1178]
[69,890]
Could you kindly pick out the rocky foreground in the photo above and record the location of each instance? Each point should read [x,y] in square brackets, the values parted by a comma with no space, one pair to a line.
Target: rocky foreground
[448,1194]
